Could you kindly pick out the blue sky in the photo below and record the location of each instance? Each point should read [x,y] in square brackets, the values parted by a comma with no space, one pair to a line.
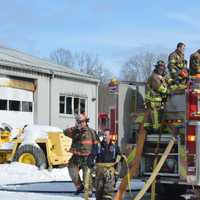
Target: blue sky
[112,29]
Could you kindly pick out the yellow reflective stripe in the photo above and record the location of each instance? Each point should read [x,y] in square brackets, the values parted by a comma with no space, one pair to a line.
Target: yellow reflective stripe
[162,89]
[169,80]
[107,196]
[173,70]
[172,61]
[181,65]
[153,99]
[147,124]
[140,119]
[106,165]
[156,123]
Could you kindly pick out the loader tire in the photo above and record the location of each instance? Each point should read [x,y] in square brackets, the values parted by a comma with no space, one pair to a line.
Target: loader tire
[30,154]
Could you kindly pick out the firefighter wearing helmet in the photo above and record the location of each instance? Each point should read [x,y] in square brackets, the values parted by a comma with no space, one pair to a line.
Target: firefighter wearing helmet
[177,66]
[156,94]
[106,157]
[195,63]
[84,141]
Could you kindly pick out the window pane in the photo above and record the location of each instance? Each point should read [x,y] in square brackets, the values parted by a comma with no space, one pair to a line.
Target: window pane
[26,106]
[62,105]
[76,106]
[14,105]
[69,105]
[62,99]
[82,105]
[3,104]
[62,108]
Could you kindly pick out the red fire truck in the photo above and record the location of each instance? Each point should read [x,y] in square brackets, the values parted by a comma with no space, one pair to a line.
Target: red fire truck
[181,119]
[104,122]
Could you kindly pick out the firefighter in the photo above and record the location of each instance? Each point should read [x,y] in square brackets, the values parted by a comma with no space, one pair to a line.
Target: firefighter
[195,63]
[177,66]
[156,94]
[106,156]
[84,139]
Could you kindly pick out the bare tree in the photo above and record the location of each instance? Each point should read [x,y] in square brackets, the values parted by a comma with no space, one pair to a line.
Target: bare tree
[138,67]
[62,56]
[91,65]
[84,62]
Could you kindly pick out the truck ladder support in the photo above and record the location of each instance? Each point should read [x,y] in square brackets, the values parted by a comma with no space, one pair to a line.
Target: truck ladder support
[156,170]
[153,186]
[136,161]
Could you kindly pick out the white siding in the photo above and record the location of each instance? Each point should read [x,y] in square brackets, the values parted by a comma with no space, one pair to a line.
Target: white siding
[43,113]
[72,88]
[41,101]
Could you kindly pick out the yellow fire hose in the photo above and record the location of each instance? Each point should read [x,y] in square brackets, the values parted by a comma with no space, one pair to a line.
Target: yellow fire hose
[156,170]
[128,173]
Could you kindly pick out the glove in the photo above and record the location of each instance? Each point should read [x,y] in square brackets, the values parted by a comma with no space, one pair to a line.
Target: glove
[183,73]
[91,161]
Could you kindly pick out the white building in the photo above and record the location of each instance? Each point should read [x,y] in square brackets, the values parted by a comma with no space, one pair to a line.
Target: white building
[36,91]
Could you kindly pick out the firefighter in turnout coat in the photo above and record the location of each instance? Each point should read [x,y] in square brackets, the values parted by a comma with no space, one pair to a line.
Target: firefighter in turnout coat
[177,66]
[106,156]
[195,63]
[84,140]
[156,95]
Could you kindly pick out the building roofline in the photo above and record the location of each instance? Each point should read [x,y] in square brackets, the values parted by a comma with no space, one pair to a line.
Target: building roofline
[47,72]
[31,63]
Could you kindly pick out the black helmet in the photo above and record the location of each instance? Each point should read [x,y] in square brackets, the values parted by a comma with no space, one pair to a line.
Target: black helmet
[160,67]
[160,64]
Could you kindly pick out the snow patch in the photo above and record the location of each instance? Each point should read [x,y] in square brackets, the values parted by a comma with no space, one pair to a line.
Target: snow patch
[34,132]
[16,173]
[7,146]
[21,173]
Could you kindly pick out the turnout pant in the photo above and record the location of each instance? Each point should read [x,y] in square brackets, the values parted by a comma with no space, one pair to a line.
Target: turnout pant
[75,164]
[153,120]
[105,183]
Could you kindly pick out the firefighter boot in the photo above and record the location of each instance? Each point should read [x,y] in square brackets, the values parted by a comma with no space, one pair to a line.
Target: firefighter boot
[79,189]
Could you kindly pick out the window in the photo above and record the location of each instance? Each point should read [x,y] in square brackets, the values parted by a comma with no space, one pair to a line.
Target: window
[3,104]
[71,105]
[76,105]
[62,104]
[26,106]
[14,105]
[68,105]
[82,105]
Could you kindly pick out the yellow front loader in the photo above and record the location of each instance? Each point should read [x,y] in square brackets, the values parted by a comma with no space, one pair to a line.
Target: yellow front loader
[43,146]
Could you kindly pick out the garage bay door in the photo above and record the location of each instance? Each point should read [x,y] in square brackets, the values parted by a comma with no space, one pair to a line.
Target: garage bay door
[16,102]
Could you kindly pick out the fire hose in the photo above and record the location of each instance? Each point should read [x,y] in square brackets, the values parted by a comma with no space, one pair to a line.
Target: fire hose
[135,162]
